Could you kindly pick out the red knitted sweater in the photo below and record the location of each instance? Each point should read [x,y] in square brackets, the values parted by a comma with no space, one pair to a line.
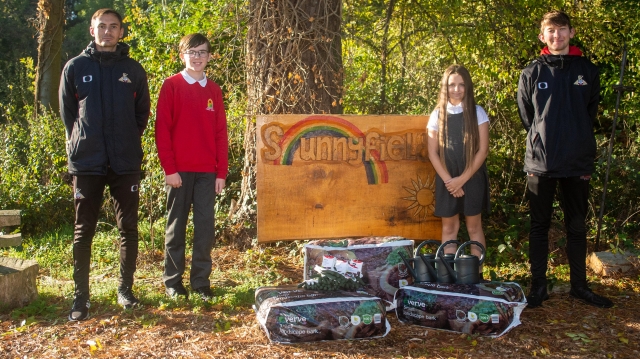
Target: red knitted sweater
[191,128]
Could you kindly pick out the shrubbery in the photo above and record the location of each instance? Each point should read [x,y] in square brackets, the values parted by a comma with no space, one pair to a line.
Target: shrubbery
[33,173]
[32,159]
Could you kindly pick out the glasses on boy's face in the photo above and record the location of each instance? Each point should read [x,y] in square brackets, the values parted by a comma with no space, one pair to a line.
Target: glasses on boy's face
[192,53]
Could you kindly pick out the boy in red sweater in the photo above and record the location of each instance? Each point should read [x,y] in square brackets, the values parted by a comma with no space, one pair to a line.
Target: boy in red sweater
[191,138]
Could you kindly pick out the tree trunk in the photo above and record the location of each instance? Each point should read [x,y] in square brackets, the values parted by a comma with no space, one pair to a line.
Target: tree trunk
[50,24]
[294,66]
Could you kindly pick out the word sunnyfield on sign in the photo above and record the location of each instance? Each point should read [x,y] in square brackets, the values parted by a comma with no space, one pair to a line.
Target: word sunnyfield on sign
[329,176]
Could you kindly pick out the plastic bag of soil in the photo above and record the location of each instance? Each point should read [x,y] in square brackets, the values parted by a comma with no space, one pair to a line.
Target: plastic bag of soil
[294,315]
[374,259]
[488,309]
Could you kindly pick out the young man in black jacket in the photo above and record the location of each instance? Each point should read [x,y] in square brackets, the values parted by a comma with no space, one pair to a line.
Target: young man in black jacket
[104,104]
[558,96]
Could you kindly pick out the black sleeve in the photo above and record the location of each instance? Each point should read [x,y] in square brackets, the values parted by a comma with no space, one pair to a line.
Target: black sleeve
[68,99]
[594,99]
[525,102]
[143,102]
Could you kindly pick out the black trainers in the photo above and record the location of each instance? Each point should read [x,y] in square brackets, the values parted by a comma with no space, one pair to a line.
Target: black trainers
[205,293]
[80,309]
[126,298]
[585,295]
[537,295]
[177,290]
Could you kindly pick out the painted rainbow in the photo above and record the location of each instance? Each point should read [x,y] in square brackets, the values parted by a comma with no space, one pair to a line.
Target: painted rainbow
[313,126]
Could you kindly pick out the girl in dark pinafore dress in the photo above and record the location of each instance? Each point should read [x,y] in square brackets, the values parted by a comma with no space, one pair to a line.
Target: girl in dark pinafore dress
[458,142]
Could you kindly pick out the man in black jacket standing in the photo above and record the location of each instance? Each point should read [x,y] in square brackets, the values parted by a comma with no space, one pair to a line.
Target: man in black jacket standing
[558,96]
[104,99]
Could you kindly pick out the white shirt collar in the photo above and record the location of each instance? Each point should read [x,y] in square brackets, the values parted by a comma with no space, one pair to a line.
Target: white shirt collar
[454,109]
[190,80]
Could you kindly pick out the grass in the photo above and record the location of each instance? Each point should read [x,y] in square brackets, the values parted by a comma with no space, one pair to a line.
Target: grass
[234,284]
[234,278]
[235,275]
[227,326]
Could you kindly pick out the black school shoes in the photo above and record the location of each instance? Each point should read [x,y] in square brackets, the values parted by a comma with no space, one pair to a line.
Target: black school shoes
[585,295]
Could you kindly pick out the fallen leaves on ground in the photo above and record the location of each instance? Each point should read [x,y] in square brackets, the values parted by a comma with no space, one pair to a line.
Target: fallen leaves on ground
[562,328]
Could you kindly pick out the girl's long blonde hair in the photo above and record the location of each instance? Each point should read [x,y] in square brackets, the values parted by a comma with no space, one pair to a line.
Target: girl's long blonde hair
[471,134]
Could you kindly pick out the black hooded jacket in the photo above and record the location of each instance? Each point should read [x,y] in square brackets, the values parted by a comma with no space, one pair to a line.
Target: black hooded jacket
[558,98]
[104,104]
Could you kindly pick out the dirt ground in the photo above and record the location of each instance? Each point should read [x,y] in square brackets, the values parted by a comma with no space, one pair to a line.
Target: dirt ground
[563,328]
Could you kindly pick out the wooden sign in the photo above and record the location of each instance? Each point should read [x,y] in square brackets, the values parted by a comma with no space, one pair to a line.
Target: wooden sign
[330,176]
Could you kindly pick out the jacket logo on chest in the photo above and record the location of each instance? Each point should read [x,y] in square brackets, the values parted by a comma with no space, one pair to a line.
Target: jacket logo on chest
[87,78]
[124,78]
[210,105]
[580,81]
[77,194]
[543,85]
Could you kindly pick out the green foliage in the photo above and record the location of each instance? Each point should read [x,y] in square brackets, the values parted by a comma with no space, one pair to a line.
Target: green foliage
[78,14]
[394,54]
[39,307]
[404,46]
[155,29]
[33,173]
[33,167]
[16,90]
[234,285]
[52,250]
[17,38]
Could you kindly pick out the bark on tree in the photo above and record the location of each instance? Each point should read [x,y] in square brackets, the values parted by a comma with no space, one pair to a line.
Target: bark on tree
[294,66]
[50,23]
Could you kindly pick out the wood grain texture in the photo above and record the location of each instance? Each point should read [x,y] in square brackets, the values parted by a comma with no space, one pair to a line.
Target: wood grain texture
[329,176]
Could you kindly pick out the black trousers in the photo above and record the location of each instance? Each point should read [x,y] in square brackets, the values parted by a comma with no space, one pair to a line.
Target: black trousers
[197,190]
[88,192]
[574,201]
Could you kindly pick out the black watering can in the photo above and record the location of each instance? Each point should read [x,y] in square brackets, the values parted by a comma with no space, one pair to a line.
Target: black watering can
[467,266]
[421,266]
[444,262]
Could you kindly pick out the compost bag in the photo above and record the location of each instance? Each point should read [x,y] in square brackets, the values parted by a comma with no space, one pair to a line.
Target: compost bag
[294,315]
[489,309]
[374,259]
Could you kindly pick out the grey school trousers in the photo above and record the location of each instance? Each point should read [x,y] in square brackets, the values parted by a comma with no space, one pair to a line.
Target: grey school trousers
[197,190]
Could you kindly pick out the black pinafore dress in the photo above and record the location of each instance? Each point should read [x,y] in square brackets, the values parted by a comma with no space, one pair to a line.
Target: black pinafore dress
[476,190]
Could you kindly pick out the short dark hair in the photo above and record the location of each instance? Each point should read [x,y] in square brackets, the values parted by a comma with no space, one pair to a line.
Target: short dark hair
[193,40]
[555,17]
[106,11]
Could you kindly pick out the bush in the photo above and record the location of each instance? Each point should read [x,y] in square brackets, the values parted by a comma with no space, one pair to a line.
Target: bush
[16,92]
[33,173]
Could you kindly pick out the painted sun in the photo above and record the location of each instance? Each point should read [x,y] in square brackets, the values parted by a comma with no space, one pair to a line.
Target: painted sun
[422,197]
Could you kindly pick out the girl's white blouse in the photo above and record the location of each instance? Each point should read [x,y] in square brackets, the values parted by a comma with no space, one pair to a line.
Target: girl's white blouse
[433,119]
